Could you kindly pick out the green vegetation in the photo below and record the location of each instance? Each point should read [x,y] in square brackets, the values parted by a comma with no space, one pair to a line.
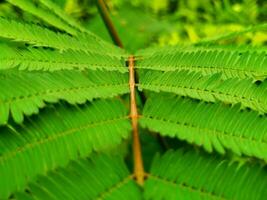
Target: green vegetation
[178,113]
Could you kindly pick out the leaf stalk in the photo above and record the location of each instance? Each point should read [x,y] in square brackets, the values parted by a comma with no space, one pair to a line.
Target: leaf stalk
[139,173]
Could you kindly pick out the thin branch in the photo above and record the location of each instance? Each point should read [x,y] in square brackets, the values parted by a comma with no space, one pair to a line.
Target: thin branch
[139,173]
[109,25]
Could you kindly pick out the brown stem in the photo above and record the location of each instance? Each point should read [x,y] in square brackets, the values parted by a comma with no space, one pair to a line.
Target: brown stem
[107,20]
[139,172]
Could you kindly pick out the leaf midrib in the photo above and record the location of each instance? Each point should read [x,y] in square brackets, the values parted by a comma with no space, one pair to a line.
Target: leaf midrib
[53,137]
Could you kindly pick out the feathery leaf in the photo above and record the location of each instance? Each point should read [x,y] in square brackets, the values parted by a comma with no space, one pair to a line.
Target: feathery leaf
[231,63]
[209,88]
[39,36]
[33,89]
[99,177]
[191,175]
[60,13]
[56,136]
[211,125]
[44,14]
[51,60]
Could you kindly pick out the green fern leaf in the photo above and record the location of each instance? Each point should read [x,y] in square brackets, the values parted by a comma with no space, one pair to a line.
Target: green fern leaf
[56,136]
[190,175]
[208,88]
[100,177]
[44,14]
[242,48]
[55,16]
[63,16]
[231,63]
[51,60]
[33,89]
[211,125]
[39,36]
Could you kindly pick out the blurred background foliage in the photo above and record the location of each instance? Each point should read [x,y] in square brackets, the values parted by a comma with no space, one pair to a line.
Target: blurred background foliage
[143,23]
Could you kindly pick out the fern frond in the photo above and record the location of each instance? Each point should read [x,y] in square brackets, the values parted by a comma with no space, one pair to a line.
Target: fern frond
[191,175]
[242,48]
[211,125]
[55,16]
[231,63]
[44,14]
[208,88]
[33,89]
[52,60]
[63,16]
[56,136]
[106,47]
[39,36]
[99,177]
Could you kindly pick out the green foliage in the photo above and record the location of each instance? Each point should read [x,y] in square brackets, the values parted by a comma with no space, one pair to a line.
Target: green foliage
[232,35]
[210,88]
[211,125]
[54,60]
[231,62]
[65,118]
[190,175]
[100,177]
[39,36]
[56,136]
[43,14]
[36,88]
[141,30]
[60,13]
